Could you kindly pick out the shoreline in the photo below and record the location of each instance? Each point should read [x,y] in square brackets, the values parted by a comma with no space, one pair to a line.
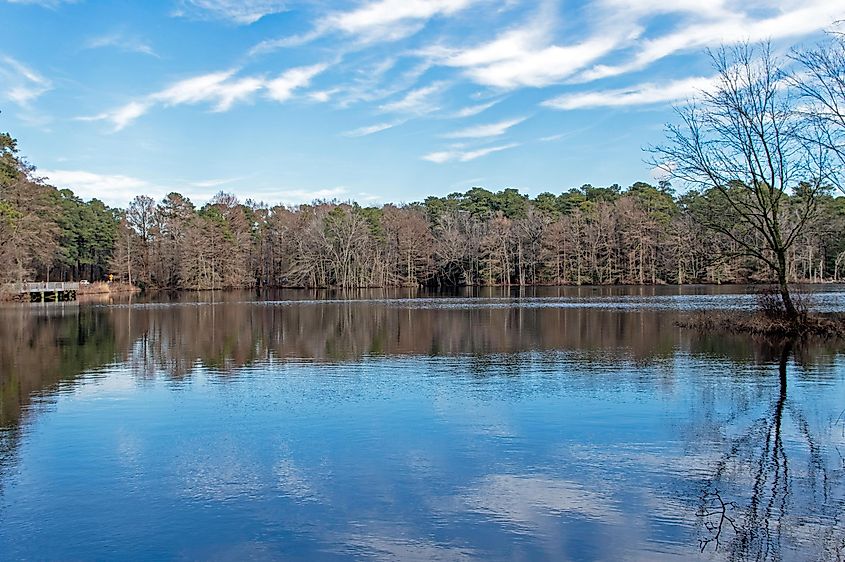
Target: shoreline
[494,286]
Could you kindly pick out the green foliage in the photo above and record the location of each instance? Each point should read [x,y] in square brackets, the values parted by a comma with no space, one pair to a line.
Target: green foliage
[10,166]
[571,200]
[212,213]
[480,203]
[437,207]
[657,203]
[547,203]
[53,229]
[602,194]
[87,234]
[373,216]
[8,213]
[511,203]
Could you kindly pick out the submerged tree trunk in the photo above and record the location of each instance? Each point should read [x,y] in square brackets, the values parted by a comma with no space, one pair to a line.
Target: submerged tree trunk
[783,287]
[782,365]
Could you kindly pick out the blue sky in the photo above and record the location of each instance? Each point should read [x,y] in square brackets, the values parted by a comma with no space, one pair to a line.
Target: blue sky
[372,100]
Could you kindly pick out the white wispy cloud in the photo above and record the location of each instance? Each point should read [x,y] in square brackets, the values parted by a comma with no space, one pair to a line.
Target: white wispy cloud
[239,12]
[473,110]
[21,84]
[119,189]
[379,19]
[283,87]
[485,131]
[112,189]
[640,94]
[663,171]
[465,155]
[715,24]
[640,8]
[322,96]
[122,41]
[290,195]
[296,196]
[418,101]
[368,197]
[533,55]
[269,45]
[216,182]
[372,129]
[371,83]
[122,116]
[508,45]
[543,67]
[528,55]
[467,183]
[373,21]
[222,90]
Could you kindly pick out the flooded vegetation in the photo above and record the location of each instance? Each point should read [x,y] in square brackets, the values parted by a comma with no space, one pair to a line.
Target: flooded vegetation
[557,423]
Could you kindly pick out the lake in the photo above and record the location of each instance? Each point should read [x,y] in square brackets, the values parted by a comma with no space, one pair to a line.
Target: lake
[487,424]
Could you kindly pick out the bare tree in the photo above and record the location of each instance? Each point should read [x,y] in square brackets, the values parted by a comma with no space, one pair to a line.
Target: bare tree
[140,217]
[821,84]
[740,144]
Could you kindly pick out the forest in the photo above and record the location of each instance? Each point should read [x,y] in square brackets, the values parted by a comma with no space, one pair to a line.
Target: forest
[642,234]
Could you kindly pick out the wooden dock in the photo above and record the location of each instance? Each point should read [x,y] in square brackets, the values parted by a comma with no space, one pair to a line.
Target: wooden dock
[42,292]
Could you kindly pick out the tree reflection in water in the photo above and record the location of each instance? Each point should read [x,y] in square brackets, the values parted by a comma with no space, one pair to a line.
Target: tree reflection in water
[780,498]
[757,500]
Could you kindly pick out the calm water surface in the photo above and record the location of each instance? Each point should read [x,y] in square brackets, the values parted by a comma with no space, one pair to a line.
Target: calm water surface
[562,424]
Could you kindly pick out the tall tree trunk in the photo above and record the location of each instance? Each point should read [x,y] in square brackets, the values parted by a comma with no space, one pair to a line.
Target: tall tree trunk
[788,305]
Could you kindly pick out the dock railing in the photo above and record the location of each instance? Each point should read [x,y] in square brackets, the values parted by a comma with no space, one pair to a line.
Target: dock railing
[41,286]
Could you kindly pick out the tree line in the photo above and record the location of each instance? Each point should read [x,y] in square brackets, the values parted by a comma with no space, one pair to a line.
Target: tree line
[589,235]
[644,234]
[48,233]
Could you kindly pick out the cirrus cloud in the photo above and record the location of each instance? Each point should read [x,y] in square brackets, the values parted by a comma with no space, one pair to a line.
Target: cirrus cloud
[23,85]
[371,22]
[465,155]
[485,131]
[640,94]
[238,12]
[222,90]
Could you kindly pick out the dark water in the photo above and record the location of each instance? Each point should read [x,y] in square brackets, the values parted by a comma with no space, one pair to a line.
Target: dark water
[561,424]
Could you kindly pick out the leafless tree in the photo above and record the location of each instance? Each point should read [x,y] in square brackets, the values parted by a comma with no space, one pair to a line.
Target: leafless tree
[740,144]
[820,81]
